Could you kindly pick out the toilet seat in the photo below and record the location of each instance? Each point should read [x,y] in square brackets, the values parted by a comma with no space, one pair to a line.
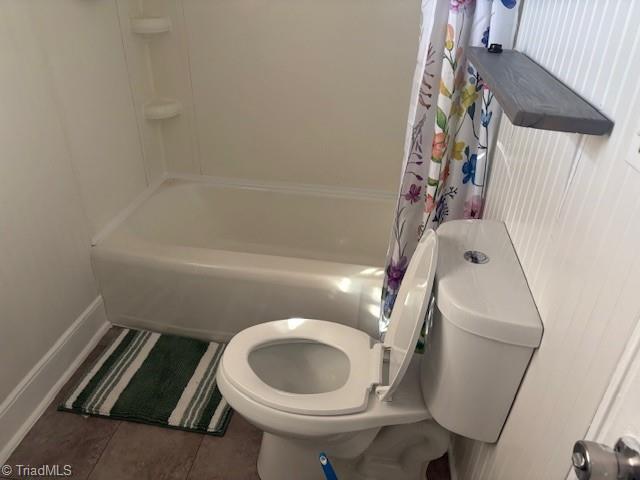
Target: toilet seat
[407,407]
[365,356]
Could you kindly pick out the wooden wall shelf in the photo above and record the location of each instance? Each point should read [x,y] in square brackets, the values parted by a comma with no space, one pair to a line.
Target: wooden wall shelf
[532,97]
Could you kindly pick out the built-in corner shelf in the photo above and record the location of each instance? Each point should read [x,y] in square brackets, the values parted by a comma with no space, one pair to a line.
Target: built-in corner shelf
[532,97]
[162,109]
[150,25]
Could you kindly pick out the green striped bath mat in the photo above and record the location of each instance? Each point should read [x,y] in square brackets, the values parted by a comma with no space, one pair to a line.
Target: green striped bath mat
[157,379]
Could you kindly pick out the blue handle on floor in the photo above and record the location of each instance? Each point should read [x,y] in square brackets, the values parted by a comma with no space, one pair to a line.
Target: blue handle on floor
[329,473]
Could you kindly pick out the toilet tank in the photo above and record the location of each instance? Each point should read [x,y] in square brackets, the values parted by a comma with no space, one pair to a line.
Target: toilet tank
[482,331]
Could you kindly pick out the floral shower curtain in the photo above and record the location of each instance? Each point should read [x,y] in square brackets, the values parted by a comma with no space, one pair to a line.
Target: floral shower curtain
[451,127]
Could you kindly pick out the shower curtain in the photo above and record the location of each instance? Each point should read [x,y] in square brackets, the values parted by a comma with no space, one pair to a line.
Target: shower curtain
[452,123]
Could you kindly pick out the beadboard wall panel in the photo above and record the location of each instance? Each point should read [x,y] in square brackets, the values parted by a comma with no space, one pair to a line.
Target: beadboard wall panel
[572,208]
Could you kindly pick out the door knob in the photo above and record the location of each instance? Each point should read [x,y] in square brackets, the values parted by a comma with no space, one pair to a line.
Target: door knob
[595,461]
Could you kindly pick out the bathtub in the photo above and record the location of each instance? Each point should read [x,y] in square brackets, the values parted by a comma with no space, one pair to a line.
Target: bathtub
[207,258]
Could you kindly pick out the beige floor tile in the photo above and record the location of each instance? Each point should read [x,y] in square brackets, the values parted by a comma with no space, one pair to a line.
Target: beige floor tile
[145,452]
[233,456]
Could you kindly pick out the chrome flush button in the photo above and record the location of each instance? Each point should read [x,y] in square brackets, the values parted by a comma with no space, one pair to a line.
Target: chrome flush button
[476,256]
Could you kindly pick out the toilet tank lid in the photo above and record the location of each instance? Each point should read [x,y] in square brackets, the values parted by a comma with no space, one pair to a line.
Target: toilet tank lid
[480,285]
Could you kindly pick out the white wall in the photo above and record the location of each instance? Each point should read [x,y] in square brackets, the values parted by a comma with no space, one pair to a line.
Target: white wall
[85,65]
[302,91]
[71,158]
[571,205]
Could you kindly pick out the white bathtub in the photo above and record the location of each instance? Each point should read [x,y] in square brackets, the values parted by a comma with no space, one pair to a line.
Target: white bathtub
[208,259]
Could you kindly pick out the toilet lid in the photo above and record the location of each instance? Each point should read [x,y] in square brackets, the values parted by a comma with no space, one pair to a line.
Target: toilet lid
[409,311]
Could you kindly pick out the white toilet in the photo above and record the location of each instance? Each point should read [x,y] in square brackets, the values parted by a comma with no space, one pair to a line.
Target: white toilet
[375,408]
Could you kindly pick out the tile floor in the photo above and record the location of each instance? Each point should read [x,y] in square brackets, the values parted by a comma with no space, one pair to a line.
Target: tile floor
[103,449]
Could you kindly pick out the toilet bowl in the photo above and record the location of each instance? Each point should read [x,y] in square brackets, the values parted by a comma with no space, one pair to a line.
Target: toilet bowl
[292,441]
[316,386]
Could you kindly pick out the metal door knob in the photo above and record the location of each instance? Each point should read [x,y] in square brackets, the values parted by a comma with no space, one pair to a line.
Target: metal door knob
[595,461]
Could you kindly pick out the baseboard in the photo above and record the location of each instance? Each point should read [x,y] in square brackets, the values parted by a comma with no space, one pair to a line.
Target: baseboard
[28,401]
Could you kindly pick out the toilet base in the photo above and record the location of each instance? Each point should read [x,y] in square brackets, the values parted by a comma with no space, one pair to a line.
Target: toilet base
[282,458]
[401,452]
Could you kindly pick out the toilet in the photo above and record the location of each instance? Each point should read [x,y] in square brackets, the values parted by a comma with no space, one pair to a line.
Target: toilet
[377,408]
